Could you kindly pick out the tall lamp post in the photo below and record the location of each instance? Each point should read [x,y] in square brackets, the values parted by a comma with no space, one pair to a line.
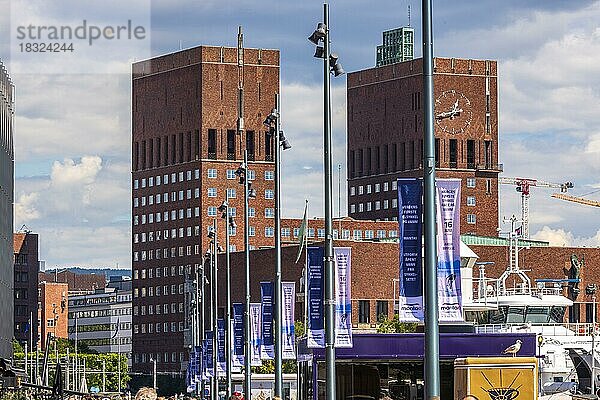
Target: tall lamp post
[229,224]
[330,65]
[244,179]
[212,234]
[280,143]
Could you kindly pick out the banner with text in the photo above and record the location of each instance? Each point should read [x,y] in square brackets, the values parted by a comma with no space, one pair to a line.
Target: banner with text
[208,340]
[255,334]
[288,335]
[410,289]
[343,301]
[199,368]
[267,303]
[238,335]
[221,362]
[204,369]
[448,252]
[315,289]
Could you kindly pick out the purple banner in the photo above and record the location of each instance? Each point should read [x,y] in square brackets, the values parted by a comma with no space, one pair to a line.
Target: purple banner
[448,251]
[221,363]
[267,303]
[343,297]
[208,343]
[316,270]
[411,273]
[255,336]
[287,329]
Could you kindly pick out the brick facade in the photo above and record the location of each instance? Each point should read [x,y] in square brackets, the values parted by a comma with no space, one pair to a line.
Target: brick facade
[184,142]
[53,312]
[26,267]
[77,283]
[385,132]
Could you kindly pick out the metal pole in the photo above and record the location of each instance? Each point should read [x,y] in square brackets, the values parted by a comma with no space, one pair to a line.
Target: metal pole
[228,390]
[329,273]
[203,311]
[76,363]
[215,306]
[277,329]
[248,348]
[154,374]
[432,367]
[593,345]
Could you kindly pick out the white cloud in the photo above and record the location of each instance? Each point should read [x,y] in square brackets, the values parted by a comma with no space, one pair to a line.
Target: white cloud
[560,237]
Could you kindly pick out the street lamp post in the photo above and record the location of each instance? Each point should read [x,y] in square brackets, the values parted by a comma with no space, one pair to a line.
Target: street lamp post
[229,224]
[280,143]
[432,366]
[215,311]
[330,65]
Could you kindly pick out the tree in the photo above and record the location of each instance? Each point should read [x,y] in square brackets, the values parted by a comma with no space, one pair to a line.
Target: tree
[395,326]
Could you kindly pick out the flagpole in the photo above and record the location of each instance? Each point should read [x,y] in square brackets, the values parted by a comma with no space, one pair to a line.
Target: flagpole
[306,273]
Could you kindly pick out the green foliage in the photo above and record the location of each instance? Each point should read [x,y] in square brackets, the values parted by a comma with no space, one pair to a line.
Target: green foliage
[17,348]
[94,365]
[395,326]
[64,344]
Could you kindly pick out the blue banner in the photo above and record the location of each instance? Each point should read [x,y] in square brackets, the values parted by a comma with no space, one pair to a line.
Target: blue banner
[343,297]
[448,251]
[267,303]
[221,362]
[411,273]
[208,343]
[314,293]
[238,335]
[199,368]
[287,329]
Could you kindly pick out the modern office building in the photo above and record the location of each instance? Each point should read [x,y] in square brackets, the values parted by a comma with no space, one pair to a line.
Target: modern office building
[398,46]
[26,268]
[7,110]
[385,131]
[187,143]
[53,311]
[103,318]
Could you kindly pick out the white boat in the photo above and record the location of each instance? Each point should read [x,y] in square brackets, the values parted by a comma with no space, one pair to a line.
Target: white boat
[512,304]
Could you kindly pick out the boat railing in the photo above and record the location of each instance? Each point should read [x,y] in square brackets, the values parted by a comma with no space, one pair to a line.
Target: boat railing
[489,290]
[547,329]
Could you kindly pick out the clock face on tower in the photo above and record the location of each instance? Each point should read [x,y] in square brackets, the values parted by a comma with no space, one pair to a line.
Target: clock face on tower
[453,112]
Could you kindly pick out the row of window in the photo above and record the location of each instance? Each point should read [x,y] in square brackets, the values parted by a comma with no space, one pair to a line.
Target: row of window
[160,357]
[368,206]
[161,272]
[160,290]
[158,327]
[368,189]
[100,327]
[100,313]
[166,253]
[164,197]
[164,179]
[165,216]
[230,174]
[99,300]
[106,341]
[172,308]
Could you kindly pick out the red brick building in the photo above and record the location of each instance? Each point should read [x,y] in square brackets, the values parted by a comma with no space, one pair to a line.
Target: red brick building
[186,147]
[26,267]
[385,132]
[54,310]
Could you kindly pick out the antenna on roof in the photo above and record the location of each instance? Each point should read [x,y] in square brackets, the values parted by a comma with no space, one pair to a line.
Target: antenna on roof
[409,15]
[25,229]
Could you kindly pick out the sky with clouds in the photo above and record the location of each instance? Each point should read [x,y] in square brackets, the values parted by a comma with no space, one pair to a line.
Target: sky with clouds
[72,122]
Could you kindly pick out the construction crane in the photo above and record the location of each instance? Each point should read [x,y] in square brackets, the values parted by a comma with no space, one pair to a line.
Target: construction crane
[574,199]
[523,186]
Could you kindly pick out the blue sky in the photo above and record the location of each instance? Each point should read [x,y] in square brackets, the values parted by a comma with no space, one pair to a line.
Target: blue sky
[73,131]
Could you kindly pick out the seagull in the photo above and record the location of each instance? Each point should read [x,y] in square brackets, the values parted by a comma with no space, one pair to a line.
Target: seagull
[513,349]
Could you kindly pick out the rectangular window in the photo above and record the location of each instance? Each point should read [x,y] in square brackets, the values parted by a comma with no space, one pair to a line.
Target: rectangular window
[360,207]
[269,175]
[251,231]
[471,154]
[470,200]
[285,232]
[471,219]
[211,192]
[212,173]
[488,154]
[488,186]
[269,194]
[231,193]
[369,188]
[269,231]
[321,233]
[269,213]
[470,182]
[212,211]
[251,212]
[268,146]
[231,174]
[437,152]
[364,311]
[357,234]
[377,188]
[453,153]
[382,310]
[250,144]
[212,143]
[352,208]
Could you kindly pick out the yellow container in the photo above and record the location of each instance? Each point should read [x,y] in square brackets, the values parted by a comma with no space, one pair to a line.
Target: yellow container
[495,378]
